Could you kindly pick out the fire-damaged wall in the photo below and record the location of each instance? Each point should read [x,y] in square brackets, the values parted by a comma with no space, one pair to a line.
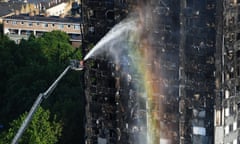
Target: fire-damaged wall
[109,100]
[165,44]
[197,48]
[181,37]
[227,73]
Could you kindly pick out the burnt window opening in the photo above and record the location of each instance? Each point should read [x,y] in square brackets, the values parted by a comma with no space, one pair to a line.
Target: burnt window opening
[231,75]
[238,36]
[231,37]
[237,88]
[238,70]
[232,20]
[230,128]
[189,3]
[238,54]
[238,105]
[231,110]
[238,18]
[110,15]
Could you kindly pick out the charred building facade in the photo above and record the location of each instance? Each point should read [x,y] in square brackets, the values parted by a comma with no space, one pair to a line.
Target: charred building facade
[115,110]
[164,33]
[227,104]
[196,72]
[105,108]
[182,36]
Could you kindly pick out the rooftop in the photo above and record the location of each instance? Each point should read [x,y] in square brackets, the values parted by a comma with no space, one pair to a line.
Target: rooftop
[13,5]
[9,7]
[45,18]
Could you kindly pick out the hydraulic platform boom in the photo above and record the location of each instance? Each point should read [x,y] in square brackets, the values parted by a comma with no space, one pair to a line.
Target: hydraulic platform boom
[74,65]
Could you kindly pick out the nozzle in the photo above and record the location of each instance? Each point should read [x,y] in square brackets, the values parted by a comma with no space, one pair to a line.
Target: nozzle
[77,64]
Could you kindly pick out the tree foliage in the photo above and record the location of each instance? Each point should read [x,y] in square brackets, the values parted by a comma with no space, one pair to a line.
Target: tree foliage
[30,68]
[55,46]
[41,130]
[1,29]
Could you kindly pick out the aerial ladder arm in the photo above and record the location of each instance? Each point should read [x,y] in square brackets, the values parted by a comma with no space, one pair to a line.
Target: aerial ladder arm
[75,65]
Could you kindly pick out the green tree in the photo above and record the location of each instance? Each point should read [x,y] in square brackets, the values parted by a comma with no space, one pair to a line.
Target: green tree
[7,70]
[29,68]
[1,29]
[41,130]
[56,46]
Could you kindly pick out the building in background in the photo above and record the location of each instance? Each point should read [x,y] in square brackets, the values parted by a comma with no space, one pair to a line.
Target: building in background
[40,7]
[11,8]
[19,27]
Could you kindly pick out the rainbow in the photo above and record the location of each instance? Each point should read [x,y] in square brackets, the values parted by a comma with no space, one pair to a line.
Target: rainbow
[145,63]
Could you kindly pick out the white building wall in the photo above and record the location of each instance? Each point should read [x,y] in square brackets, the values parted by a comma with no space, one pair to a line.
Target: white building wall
[57,10]
[6,31]
[219,135]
